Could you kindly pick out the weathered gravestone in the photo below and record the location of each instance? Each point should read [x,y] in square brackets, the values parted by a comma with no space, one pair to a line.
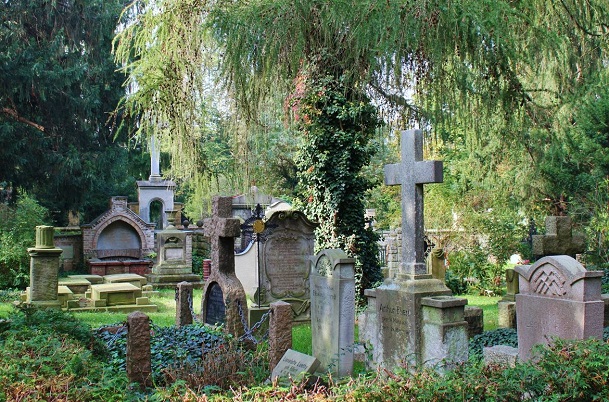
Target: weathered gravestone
[44,270]
[559,239]
[394,319]
[333,311]
[294,364]
[223,296]
[284,261]
[558,298]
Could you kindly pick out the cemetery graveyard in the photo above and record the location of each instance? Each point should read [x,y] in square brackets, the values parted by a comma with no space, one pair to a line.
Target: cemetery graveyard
[304,200]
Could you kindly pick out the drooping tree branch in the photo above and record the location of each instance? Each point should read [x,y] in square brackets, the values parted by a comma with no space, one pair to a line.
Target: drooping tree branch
[13,114]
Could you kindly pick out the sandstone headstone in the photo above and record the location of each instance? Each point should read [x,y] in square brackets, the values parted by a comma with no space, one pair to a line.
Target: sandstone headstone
[293,364]
[222,282]
[333,311]
[284,261]
[174,260]
[559,238]
[558,298]
[438,267]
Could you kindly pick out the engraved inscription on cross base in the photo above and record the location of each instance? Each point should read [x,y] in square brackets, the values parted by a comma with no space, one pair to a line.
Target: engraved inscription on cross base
[411,173]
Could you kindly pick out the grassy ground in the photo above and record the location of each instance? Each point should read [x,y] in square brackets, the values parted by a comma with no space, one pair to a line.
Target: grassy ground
[489,308]
[302,333]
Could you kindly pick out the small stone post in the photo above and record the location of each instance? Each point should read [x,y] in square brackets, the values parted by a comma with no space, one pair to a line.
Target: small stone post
[507,305]
[445,341]
[184,304]
[280,331]
[44,269]
[139,366]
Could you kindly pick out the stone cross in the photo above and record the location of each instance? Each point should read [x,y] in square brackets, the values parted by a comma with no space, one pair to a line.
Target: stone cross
[411,174]
[221,229]
[559,239]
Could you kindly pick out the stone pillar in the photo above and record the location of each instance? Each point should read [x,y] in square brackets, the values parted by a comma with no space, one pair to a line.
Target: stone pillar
[444,332]
[139,366]
[184,304]
[507,305]
[280,331]
[44,269]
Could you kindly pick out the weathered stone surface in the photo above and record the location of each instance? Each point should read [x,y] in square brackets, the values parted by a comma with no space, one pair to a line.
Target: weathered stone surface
[474,316]
[333,311]
[222,230]
[444,332]
[512,287]
[139,366]
[293,364]
[280,331]
[399,319]
[115,294]
[507,314]
[501,355]
[558,298]
[559,239]
[285,262]
[438,266]
[184,304]
[411,174]
[44,270]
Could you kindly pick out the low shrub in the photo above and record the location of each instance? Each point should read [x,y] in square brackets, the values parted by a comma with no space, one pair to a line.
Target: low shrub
[499,336]
[170,347]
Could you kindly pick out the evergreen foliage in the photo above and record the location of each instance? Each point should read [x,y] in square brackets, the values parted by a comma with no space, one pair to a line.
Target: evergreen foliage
[17,234]
[337,125]
[57,86]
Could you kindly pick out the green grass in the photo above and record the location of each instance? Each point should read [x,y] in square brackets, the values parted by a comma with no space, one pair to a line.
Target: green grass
[489,308]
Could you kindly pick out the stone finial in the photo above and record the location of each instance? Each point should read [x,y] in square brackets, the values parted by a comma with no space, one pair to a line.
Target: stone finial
[44,237]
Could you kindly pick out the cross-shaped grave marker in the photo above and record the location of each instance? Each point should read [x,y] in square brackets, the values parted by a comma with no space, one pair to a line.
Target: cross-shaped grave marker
[222,229]
[411,174]
[223,295]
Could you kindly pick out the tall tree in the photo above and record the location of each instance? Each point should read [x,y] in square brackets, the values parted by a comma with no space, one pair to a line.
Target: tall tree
[58,85]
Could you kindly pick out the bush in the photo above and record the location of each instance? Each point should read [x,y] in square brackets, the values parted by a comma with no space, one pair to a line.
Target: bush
[170,347]
[48,354]
[17,233]
[500,336]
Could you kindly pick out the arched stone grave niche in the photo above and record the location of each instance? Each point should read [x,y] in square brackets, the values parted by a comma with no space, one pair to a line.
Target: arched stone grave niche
[118,241]
[215,310]
[558,298]
[333,311]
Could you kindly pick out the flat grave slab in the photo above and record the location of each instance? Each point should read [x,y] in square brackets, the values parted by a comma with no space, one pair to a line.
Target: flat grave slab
[293,364]
[134,279]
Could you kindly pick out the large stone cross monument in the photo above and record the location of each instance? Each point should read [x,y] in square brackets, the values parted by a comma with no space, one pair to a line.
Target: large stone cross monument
[394,322]
[411,174]
[223,296]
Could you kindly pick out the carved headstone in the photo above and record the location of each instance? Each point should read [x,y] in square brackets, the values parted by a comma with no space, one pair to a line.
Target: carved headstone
[222,288]
[333,311]
[284,260]
[558,298]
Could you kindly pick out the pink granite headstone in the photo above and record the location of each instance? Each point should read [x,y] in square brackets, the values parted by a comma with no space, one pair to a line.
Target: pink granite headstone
[558,298]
